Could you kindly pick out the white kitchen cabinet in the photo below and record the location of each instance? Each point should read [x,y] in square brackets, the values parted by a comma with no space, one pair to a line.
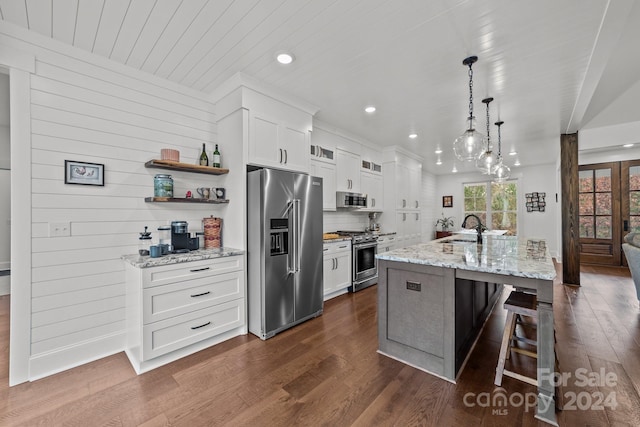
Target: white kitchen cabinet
[415,187]
[402,182]
[401,229]
[371,186]
[408,228]
[327,172]
[414,228]
[347,171]
[274,142]
[386,243]
[401,186]
[336,268]
[323,153]
[178,309]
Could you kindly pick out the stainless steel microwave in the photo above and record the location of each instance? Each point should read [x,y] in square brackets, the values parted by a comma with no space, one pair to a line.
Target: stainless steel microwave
[345,199]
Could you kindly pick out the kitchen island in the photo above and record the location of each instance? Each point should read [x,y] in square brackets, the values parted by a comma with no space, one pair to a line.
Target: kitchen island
[433,299]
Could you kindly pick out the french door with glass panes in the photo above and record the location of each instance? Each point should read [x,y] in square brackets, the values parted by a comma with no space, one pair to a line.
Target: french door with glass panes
[609,207]
[630,203]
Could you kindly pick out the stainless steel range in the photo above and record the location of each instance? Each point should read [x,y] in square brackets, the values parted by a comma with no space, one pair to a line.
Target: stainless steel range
[365,265]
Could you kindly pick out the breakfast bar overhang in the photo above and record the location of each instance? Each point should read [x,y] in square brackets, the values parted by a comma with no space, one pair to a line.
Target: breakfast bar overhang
[433,299]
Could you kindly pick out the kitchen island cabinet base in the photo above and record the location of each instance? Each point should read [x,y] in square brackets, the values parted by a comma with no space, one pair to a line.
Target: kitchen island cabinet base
[430,319]
[434,339]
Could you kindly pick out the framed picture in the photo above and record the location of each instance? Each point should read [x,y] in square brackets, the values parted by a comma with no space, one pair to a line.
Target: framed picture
[447,201]
[83,173]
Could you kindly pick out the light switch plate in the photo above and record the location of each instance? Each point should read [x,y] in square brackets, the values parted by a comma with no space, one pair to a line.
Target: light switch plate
[59,229]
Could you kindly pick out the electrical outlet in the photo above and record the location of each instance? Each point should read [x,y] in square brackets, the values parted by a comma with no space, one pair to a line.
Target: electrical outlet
[59,229]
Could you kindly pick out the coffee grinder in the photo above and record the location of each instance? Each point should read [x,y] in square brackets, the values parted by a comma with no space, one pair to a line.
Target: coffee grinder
[180,237]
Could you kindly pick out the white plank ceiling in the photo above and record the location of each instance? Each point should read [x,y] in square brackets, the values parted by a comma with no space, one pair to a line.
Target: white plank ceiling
[552,66]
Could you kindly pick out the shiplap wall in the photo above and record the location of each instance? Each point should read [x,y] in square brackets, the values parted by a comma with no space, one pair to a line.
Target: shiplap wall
[85,108]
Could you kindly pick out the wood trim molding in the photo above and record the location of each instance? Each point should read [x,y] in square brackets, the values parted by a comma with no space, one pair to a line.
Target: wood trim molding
[570,225]
[20,329]
[17,59]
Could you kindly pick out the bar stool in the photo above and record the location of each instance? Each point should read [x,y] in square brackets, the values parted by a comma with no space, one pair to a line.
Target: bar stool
[518,304]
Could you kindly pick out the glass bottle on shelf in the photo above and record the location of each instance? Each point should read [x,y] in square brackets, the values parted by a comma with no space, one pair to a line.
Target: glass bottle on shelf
[204,159]
[216,158]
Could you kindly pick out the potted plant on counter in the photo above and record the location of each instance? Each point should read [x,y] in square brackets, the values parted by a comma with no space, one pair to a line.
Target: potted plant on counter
[444,223]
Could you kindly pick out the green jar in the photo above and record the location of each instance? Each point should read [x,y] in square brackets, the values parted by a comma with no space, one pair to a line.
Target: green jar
[162,186]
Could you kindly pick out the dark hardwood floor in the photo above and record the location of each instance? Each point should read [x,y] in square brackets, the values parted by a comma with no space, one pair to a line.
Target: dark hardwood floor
[327,372]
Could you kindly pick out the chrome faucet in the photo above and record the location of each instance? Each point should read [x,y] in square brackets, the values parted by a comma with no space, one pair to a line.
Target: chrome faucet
[479,228]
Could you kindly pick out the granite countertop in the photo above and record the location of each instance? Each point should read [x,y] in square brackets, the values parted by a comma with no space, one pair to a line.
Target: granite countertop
[337,239]
[197,255]
[343,238]
[506,255]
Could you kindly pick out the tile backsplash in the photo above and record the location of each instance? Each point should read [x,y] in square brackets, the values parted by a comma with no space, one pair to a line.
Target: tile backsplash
[344,220]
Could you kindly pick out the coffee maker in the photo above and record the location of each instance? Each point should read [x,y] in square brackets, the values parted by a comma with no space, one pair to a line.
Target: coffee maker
[180,237]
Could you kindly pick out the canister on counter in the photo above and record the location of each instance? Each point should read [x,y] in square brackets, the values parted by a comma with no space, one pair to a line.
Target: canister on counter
[162,186]
[212,232]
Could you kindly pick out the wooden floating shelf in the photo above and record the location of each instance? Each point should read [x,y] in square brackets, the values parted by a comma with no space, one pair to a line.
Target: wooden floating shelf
[185,200]
[186,167]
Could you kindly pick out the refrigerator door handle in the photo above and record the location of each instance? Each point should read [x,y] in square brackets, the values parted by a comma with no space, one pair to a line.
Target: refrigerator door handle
[291,256]
[296,234]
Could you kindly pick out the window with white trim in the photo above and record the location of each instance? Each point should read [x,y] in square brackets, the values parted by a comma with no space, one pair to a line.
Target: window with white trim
[497,201]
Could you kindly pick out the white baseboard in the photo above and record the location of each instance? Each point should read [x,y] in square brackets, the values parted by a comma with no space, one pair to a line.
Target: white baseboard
[52,362]
[5,285]
[147,365]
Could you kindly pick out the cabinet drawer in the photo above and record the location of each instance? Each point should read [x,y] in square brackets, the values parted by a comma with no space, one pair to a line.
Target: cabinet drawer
[156,276]
[162,302]
[177,332]
[337,247]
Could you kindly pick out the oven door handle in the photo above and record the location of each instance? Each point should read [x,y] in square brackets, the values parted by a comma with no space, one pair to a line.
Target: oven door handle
[365,245]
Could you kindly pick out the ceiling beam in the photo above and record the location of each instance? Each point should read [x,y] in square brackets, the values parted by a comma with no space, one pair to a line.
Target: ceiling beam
[608,36]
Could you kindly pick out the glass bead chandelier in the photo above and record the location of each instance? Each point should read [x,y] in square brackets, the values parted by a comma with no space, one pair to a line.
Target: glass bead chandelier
[470,145]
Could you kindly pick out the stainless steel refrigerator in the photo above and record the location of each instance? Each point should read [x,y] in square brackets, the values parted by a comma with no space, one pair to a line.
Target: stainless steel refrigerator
[284,242]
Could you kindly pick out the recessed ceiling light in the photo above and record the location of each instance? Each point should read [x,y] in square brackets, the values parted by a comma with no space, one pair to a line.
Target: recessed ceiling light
[439,162]
[628,145]
[516,163]
[370,109]
[285,58]
[413,135]
[438,150]
[454,170]
[513,153]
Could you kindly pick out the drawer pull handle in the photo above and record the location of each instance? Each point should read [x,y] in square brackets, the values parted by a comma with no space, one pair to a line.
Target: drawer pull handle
[414,286]
[201,326]
[199,295]
[195,270]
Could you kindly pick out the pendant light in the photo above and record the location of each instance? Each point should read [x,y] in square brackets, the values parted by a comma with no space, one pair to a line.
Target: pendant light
[487,160]
[501,172]
[470,144]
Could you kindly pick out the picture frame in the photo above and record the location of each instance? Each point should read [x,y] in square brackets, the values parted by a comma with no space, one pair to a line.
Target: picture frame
[447,201]
[83,173]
